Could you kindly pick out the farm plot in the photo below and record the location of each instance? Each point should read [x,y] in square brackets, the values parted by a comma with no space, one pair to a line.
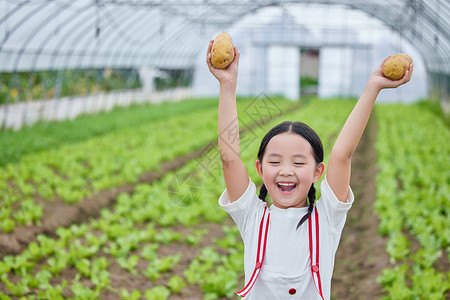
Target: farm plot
[44,181]
[167,238]
[161,241]
[413,201]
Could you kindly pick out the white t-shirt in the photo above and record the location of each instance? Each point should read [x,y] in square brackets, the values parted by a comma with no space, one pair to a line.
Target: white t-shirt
[287,263]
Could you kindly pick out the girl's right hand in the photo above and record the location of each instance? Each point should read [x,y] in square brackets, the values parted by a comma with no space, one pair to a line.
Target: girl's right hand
[227,75]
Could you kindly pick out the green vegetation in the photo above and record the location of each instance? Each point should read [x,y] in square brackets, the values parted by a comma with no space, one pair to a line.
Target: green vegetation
[173,79]
[306,81]
[22,86]
[75,171]
[45,136]
[134,233]
[413,201]
[130,233]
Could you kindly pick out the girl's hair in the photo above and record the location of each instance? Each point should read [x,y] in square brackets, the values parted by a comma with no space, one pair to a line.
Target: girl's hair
[308,134]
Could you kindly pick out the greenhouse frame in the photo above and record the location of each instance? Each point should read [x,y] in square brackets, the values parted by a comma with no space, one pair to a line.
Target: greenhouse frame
[148,39]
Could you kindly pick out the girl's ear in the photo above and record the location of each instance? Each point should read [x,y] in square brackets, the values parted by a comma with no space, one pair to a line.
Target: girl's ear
[319,172]
[259,168]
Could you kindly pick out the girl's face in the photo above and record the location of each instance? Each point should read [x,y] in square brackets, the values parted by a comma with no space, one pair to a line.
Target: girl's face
[288,170]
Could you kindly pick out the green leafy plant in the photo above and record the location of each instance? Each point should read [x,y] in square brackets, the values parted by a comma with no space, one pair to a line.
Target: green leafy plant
[157,293]
[126,295]
[82,292]
[129,263]
[412,197]
[176,283]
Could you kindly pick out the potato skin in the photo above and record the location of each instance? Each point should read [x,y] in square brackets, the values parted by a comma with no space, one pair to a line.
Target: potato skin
[222,52]
[395,67]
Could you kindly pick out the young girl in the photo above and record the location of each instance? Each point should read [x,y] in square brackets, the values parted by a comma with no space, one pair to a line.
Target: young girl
[290,246]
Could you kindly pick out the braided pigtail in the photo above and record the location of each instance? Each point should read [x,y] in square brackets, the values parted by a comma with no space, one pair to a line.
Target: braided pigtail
[263,193]
[311,200]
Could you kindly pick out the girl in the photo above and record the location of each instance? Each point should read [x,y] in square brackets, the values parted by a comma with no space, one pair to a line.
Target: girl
[290,246]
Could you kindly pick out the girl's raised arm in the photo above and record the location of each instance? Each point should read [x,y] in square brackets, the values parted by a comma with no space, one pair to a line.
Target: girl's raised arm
[235,174]
[339,164]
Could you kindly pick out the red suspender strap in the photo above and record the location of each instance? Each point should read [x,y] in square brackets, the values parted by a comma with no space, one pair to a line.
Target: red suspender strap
[314,249]
[313,228]
[262,240]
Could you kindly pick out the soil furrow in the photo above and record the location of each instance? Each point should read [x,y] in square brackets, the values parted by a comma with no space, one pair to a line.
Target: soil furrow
[58,213]
[361,255]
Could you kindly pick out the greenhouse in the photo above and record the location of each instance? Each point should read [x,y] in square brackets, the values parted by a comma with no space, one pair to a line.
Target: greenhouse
[113,156]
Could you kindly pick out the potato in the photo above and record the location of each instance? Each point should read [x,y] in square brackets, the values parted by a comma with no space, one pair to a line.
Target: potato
[395,67]
[222,52]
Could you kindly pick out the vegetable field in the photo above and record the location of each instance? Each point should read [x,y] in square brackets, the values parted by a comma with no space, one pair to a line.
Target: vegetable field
[123,205]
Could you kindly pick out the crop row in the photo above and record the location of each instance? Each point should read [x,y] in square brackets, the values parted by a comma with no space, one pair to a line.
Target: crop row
[413,201]
[73,172]
[49,135]
[174,211]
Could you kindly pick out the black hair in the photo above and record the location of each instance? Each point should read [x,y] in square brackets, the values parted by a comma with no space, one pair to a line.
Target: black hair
[308,134]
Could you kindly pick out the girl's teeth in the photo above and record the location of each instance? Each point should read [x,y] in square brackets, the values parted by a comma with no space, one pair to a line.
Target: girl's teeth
[286,187]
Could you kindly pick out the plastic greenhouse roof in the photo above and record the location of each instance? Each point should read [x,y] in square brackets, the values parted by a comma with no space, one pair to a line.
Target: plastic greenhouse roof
[55,34]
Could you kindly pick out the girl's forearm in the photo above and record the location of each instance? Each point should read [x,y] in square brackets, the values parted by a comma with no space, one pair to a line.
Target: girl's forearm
[339,164]
[234,172]
[356,123]
[353,129]
[228,125]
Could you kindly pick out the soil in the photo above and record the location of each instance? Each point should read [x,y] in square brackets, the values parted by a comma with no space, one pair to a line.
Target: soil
[361,255]
[58,213]
[360,258]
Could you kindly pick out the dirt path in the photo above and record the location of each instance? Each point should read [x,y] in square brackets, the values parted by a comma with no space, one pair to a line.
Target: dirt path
[60,214]
[361,255]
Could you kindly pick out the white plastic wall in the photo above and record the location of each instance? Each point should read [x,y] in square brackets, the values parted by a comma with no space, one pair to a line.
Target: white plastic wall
[286,80]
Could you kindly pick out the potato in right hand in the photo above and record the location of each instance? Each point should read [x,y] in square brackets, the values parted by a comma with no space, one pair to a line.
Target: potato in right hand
[395,67]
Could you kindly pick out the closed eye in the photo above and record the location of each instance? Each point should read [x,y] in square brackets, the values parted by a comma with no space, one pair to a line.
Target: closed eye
[299,164]
[274,162]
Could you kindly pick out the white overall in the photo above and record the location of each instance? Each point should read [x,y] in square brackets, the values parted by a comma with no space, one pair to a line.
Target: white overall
[313,229]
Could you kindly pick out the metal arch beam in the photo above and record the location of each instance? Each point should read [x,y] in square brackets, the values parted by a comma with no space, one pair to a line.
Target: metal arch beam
[78,38]
[25,18]
[81,37]
[57,50]
[31,36]
[19,23]
[199,12]
[110,42]
[163,51]
[118,52]
[425,47]
[379,12]
[392,25]
[187,21]
[167,44]
[140,44]
[430,20]
[13,11]
[49,36]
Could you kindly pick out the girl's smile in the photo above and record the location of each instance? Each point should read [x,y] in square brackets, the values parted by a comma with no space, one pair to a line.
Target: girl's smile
[286,187]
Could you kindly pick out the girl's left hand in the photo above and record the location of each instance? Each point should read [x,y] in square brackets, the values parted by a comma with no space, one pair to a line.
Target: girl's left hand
[382,82]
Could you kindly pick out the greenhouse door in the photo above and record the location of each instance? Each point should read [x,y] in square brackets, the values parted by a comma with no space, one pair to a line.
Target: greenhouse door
[309,66]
